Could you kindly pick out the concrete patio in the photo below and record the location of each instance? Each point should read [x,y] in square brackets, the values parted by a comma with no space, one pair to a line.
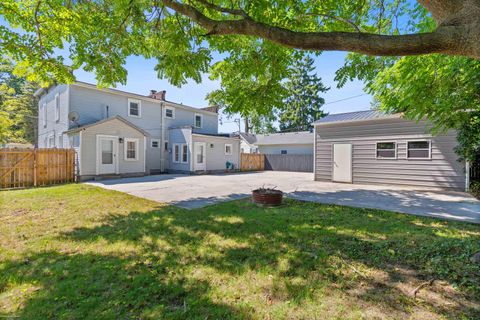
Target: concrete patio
[195,191]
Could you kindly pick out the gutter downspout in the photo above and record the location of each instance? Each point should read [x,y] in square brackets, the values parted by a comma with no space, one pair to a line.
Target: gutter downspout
[162,139]
[467,175]
[314,149]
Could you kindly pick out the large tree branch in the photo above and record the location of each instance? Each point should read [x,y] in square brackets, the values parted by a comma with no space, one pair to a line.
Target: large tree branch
[446,40]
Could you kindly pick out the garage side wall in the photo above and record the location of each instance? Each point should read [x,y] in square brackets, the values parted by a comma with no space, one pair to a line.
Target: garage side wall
[441,171]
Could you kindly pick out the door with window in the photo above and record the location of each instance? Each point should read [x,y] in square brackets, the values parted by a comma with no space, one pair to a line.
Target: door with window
[342,162]
[200,161]
[107,150]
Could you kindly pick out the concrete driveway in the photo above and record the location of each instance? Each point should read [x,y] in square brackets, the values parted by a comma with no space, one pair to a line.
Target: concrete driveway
[194,191]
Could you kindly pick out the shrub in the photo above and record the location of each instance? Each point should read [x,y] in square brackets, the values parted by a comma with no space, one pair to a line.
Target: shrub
[475,188]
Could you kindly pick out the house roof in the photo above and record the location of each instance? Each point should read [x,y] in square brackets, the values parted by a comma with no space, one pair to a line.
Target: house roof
[248,137]
[356,116]
[206,110]
[301,137]
[128,123]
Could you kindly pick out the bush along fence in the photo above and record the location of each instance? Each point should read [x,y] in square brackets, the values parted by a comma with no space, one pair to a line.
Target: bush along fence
[24,168]
[276,162]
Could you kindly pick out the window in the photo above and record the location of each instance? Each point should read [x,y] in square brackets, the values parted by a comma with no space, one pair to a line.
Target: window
[198,120]
[155,143]
[134,108]
[166,145]
[176,153]
[75,141]
[169,112]
[419,149]
[44,109]
[283,151]
[57,107]
[131,149]
[386,150]
[228,149]
[51,141]
[184,153]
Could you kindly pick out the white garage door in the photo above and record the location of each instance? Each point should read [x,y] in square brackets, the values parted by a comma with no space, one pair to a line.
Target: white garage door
[342,162]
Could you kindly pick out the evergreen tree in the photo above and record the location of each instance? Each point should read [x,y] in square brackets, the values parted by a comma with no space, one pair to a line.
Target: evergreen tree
[303,104]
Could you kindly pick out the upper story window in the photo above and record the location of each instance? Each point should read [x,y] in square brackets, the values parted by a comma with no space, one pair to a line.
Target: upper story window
[228,149]
[170,112]
[44,110]
[57,107]
[131,149]
[386,150]
[134,108]
[419,149]
[155,143]
[198,120]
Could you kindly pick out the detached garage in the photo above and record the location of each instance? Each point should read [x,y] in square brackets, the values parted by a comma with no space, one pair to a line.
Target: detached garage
[370,147]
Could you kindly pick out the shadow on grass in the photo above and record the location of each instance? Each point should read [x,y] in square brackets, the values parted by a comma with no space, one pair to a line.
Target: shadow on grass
[313,243]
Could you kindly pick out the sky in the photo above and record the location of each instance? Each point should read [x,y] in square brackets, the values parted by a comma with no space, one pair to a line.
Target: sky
[142,78]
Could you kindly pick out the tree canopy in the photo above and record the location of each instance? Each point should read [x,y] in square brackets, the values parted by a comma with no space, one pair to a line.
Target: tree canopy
[249,45]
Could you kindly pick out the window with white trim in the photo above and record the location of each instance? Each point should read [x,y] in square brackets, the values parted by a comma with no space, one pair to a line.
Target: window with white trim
[228,149]
[184,153]
[51,141]
[57,107]
[198,120]
[155,143]
[131,149]
[176,153]
[419,149]
[134,108]
[170,112]
[386,150]
[44,110]
[166,146]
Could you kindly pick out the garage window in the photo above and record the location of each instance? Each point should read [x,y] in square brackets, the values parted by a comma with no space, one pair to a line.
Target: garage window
[228,149]
[419,149]
[386,150]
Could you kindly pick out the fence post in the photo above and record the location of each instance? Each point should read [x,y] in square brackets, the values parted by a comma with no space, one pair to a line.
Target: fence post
[34,167]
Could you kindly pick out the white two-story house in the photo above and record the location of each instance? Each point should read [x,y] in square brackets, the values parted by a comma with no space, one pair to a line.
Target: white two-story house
[127,134]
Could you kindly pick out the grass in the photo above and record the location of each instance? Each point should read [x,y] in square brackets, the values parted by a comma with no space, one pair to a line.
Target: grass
[79,252]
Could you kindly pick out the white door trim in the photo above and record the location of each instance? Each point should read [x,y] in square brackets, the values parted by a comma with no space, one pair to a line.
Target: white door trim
[348,179]
[98,153]
[204,166]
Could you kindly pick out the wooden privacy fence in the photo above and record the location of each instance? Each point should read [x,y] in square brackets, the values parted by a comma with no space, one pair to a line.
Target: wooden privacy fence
[276,162]
[289,162]
[23,168]
[252,162]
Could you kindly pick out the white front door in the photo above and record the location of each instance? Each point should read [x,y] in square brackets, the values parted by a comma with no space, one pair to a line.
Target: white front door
[342,162]
[107,152]
[200,159]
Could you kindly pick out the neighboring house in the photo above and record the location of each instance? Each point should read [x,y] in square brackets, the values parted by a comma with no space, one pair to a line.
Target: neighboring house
[278,143]
[117,132]
[370,147]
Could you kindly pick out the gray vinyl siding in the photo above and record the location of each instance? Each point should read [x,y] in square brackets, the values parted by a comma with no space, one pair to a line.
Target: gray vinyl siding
[53,127]
[441,171]
[216,158]
[117,128]
[179,136]
[291,149]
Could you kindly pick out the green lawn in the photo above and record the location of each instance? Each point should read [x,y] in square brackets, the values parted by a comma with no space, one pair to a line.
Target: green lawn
[79,252]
